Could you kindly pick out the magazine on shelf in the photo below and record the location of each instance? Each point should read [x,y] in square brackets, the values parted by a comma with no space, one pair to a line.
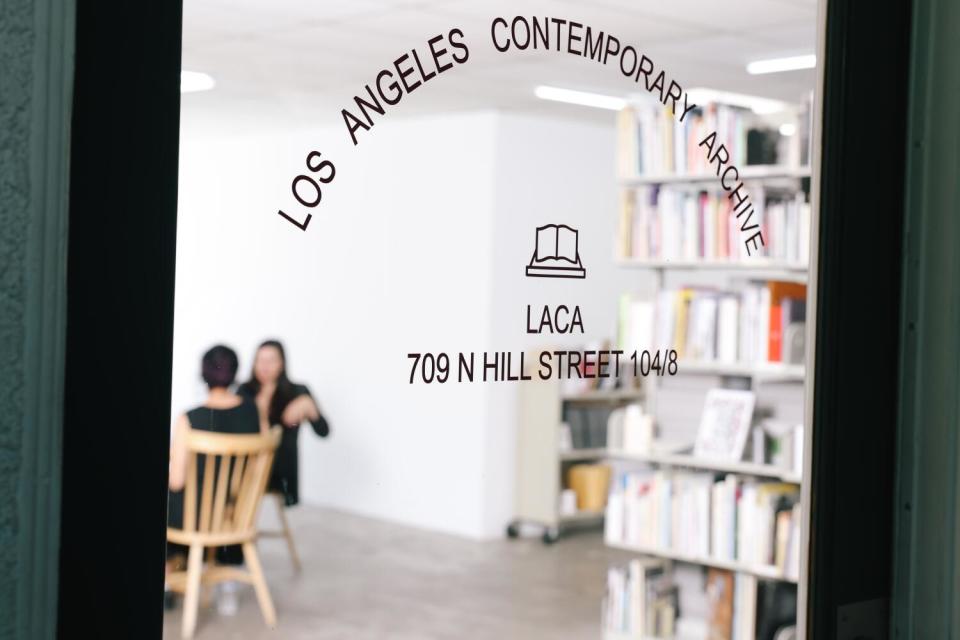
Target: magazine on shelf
[724,425]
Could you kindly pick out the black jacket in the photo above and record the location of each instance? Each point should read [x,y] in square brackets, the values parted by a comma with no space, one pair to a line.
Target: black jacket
[285,477]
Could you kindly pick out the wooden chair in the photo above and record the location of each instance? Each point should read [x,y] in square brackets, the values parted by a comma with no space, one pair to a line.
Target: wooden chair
[236,469]
[284,531]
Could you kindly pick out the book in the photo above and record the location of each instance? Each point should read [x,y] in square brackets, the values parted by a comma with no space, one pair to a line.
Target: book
[745,607]
[720,602]
[775,334]
[575,418]
[756,520]
[723,525]
[640,599]
[727,319]
[697,515]
[702,327]
[763,325]
[613,523]
[787,306]
[637,323]
[784,529]
[745,324]
[637,430]
[665,323]
[724,424]
[664,222]
[681,316]
[651,140]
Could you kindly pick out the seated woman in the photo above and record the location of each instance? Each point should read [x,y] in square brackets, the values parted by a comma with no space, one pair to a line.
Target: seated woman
[223,412]
[280,401]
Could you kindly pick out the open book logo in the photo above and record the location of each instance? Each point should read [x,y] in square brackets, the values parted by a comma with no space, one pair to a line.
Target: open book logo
[557,253]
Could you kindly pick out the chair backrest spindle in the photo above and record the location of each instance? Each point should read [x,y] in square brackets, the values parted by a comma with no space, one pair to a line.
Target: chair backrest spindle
[235,471]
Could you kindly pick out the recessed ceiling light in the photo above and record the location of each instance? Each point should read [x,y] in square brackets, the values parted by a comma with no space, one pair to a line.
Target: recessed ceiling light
[756,104]
[583,98]
[191,81]
[775,65]
[788,129]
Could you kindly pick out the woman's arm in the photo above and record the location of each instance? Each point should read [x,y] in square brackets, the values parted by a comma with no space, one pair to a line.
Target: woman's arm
[178,454]
[303,408]
[316,419]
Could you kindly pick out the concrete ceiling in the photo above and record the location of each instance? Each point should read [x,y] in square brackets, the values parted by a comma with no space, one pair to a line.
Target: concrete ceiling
[290,61]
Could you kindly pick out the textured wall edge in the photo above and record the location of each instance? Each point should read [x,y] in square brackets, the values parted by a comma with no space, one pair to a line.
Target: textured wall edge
[44,319]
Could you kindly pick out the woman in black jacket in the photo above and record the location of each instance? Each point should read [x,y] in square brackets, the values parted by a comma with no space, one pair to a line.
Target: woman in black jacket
[280,401]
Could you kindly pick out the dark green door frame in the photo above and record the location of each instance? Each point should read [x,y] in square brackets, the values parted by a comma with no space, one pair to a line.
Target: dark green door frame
[120,313]
[927,539]
[855,383]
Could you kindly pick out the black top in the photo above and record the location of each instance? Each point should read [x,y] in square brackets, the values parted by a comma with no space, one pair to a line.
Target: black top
[242,418]
[285,475]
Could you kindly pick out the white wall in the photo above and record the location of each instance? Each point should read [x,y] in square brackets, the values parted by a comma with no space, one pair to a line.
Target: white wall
[419,244]
[558,171]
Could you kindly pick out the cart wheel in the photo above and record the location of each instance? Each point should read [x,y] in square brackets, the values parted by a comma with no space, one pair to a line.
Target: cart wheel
[513,530]
[551,535]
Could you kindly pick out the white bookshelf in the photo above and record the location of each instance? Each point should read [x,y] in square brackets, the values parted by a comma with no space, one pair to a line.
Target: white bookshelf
[581,516]
[761,371]
[573,455]
[758,269]
[705,464]
[784,178]
[765,572]
[600,395]
[749,172]
[540,462]
[618,635]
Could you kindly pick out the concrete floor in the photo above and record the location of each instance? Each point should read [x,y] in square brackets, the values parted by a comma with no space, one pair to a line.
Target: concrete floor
[365,579]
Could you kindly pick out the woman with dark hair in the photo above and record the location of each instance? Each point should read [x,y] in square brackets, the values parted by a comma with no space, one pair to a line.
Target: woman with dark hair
[222,412]
[280,401]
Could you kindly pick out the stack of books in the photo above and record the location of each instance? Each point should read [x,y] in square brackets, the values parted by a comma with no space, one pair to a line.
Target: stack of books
[641,600]
[587,425]
[746,325]
[669,223]
[652,141]
[701,516]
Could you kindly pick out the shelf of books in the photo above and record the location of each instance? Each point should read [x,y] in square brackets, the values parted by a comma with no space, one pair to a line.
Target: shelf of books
[760,571]
[759,268]
[752,173]
[602,395]
[667,226]
[726,504]
[752,330]
[728,523]
[785,473]
[654,145]
[643,603]
[768,371]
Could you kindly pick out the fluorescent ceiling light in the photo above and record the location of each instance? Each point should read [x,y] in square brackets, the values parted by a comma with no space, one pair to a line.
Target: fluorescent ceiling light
[775,65]
[702,96]
[788,129]
[191,81]
[583,98]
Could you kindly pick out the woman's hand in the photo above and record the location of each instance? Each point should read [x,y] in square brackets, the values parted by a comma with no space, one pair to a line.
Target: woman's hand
[263,404]
[300,408]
